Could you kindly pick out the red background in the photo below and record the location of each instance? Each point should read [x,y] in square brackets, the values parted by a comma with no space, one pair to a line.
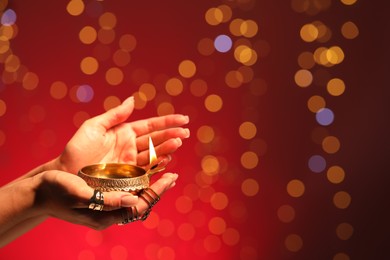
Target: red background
[168,32]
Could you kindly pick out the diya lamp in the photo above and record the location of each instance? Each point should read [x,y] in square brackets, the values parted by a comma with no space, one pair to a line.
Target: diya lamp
[122,176]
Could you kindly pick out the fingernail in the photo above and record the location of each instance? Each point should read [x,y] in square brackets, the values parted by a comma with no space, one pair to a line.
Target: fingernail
[174,177]
[179,142]
[129,100]
[186,119]
[129,200]
[187,132]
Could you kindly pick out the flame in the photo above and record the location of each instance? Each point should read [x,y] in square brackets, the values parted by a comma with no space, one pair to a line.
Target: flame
[152,152]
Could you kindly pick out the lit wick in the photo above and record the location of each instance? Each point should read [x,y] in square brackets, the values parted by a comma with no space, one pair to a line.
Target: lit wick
[153,158]
[152,154]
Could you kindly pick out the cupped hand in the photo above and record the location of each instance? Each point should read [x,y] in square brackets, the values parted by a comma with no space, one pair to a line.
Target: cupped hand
[109,138]
[67,197]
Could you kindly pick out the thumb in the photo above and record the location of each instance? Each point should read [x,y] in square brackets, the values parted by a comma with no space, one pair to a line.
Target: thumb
[116,115]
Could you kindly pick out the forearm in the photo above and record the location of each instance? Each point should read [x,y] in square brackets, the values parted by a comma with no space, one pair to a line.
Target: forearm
[20,210]
[54,164]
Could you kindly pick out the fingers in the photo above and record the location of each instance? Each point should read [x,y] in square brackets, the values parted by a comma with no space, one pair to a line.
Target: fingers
[115,115]
[162,136]
[103,219]
[147,126]
[166,182]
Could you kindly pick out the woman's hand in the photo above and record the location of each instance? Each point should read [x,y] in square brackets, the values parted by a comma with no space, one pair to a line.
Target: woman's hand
[29,201]
[67,197]
[108,138]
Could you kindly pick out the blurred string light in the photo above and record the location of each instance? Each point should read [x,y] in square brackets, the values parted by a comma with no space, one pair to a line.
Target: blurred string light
[326,56]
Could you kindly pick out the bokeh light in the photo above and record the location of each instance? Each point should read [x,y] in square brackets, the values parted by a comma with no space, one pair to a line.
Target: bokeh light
[335,174]
[325,116]
[317,163]
[295,188]
[223,43]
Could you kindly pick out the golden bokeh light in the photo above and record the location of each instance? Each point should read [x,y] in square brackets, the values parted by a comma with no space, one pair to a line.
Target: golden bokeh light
[293,243]
[183,204]
[114,76]
[8,32]
[306,60]
[198,87]
[174,86]
[210,165]
[247,73]
[247,130]
[121,58]
[111,102]
[295,188]
[205,134]
[335,87]
[348,2]
[149,90]
[335,55]
[186,231]
[217,225]
[226,12]
[315,103]
[87,35]
[11,63]
[309,32]
[331,144]
[335,174]
[349,30]
[212,243]
[4,46]
[75,7]
[245,55]
[235,27]
[58,90]
[166,228]
[3,107]
[231,237]
[214,16]
[286,213]
[106,36]
[219,201]
[324,33]
[303,78]
[165,108]
[140,100]
[341,256]
[107,21]
[30,81]
[213,103]
[89,65]
[234,79]
[206,46]
[164,252]
[187,68]
[249,160]
[3,5]
[250,187]
[342,199]
[344,231]
[248,28]
[127,42]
